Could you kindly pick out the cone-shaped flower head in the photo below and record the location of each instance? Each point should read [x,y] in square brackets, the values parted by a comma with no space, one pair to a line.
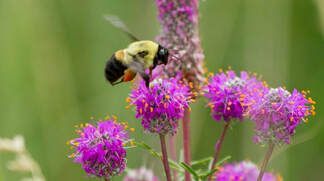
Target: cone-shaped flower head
[141,174]
[229,94]
[161,105]
[242,171]
[99,148]
[278,112]
[179,21]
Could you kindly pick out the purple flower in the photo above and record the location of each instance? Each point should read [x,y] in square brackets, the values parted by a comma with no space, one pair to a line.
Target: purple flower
[229,94]
[278,113]
[242,171]
[141,174]
[161,105]
[99,148]
[179,21]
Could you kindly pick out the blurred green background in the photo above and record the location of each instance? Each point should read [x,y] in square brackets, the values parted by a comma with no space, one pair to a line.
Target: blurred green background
[52,55]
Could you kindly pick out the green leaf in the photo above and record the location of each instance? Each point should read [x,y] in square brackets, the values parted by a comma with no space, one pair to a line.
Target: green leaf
[190,170]
[210,172]
[223,160]
[156,154]
[201,161]
[207,174]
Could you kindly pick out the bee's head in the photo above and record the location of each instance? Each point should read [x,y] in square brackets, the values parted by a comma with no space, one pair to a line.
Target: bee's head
[161,57]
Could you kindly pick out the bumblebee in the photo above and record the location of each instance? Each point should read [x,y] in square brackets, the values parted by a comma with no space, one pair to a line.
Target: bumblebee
[136,58]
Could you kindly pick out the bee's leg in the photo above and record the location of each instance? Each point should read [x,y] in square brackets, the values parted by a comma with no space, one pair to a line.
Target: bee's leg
[115,83]
[137,66]
[146,78]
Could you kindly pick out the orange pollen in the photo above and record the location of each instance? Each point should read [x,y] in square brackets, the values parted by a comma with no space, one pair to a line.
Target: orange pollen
[311,101]
[167,97]
[128,99]
[151,109]
[191,85]
[132,129]
[313,112]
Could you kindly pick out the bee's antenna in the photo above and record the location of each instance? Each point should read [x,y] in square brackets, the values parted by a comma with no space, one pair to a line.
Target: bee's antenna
[118,23]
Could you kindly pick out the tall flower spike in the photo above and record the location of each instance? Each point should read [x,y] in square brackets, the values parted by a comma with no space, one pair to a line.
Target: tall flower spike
[179,21]
[242,171]
[99,148]
[141,174]
[229,94]
[278,113]
[161,106]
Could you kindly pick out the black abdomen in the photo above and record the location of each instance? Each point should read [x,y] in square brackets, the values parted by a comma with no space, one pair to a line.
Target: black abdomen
[114,70]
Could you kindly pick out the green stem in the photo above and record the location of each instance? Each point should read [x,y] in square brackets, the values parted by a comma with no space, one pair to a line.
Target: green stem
[266,160]
[186,141]
[173,153]
[218,146]
[165,158]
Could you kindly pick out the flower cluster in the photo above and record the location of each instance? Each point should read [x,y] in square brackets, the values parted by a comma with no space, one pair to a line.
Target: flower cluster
[229,94]
[99,148]
[141,174]
[278,112]
[179,21]
[242,171]
[161,105]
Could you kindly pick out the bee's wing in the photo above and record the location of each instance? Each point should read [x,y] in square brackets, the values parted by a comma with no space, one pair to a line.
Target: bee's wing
[118,23]
[136,66]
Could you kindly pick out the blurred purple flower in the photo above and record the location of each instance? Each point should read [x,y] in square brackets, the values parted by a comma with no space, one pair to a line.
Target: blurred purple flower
[278,113]
[229,94]
[99,148]
[242,171]
[141,174]
[179,21]
[161,105]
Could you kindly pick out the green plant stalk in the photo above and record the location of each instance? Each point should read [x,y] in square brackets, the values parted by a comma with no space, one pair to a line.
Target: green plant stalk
[218,146]
[173,153]
[266,160]
[165,158]
[186,141]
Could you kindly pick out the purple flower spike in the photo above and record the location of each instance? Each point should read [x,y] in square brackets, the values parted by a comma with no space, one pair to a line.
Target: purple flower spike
[229,94]
[179,21]
[161,106]
[278,113]
[242,171]
[141,174]
[99,148]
